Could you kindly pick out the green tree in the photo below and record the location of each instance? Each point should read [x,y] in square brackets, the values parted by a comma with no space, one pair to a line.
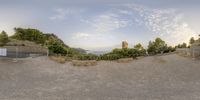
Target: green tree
[30,35]
[139,46]
[184,45]
[56,48]
[157,46]
[3,38]
[192,40]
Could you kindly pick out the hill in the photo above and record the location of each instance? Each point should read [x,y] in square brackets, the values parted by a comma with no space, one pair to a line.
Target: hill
[49,40]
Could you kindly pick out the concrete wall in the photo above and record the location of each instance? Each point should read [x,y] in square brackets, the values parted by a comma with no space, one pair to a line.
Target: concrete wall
[22,52]
[189,52]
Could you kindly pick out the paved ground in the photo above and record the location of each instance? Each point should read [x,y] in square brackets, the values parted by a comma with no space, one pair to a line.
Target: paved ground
[169,77]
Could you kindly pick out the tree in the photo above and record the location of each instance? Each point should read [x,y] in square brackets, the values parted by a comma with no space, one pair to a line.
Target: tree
[57,48]
[151,47]
[30,35]
[157,46]
[3,38]
[184,45]
[139,46]
[192,40]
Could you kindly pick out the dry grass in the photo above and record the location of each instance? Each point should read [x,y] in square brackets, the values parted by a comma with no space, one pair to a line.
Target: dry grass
[125,60]
[59,59]
[84,63]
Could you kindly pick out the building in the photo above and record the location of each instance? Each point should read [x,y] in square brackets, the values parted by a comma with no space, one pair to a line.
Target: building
[124,44]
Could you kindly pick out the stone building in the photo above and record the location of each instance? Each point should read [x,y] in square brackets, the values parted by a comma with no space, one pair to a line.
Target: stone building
[124,44]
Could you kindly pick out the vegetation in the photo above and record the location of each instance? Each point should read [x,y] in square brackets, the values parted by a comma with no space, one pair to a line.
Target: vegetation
[33,35]
[138,50]
[192,40]
[159,46]
[183,45]
[55,45]
[3,38]
[56,48]
[87,57]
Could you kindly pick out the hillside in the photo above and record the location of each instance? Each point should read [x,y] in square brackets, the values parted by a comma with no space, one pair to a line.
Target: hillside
[49,40]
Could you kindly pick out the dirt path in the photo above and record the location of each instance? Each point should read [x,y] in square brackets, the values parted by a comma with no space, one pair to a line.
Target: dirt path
[169,77]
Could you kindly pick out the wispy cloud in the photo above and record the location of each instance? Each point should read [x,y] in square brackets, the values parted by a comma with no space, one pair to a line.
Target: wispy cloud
[169,24]
[81,35]
[107,22]
[62,14]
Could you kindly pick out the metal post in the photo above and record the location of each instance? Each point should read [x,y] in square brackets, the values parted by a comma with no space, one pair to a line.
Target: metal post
[16,54]
[47,53]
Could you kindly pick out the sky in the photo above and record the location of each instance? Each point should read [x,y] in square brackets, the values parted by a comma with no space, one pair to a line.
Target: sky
[104,24]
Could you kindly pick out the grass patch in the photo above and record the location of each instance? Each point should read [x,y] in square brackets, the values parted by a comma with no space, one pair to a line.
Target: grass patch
[125,60]
[59,59]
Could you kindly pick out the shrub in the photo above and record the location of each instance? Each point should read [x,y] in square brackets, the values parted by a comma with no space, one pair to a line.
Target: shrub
[30,35]
[87,57]
[56,48]
[59,59]
[3,38]
[122,53]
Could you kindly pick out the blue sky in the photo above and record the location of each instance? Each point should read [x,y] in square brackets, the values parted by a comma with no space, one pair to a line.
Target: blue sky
[103,24]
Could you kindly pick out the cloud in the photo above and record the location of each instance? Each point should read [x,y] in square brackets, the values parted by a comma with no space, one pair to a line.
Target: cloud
[80,35]
[62,14]
[168,24]
[106,22]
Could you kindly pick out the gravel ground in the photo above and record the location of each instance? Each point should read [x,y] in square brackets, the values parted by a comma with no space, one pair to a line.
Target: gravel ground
[168,77]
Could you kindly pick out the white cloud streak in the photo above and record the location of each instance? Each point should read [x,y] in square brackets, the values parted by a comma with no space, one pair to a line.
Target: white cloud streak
[106,22]
[62,14]
[109,22]
[80,35]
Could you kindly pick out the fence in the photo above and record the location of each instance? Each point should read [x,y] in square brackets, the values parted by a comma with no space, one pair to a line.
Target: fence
[22,52]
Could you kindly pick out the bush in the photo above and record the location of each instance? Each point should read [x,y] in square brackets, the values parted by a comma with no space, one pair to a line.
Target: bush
[59,59]
[33,35]
[122,53]
[110,57]
[87,57]
[56,48]
[3,38]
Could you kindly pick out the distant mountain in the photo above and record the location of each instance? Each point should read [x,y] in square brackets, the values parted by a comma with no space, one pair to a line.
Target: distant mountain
[80,50]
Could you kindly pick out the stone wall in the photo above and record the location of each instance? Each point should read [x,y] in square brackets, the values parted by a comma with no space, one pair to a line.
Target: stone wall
[189,52]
